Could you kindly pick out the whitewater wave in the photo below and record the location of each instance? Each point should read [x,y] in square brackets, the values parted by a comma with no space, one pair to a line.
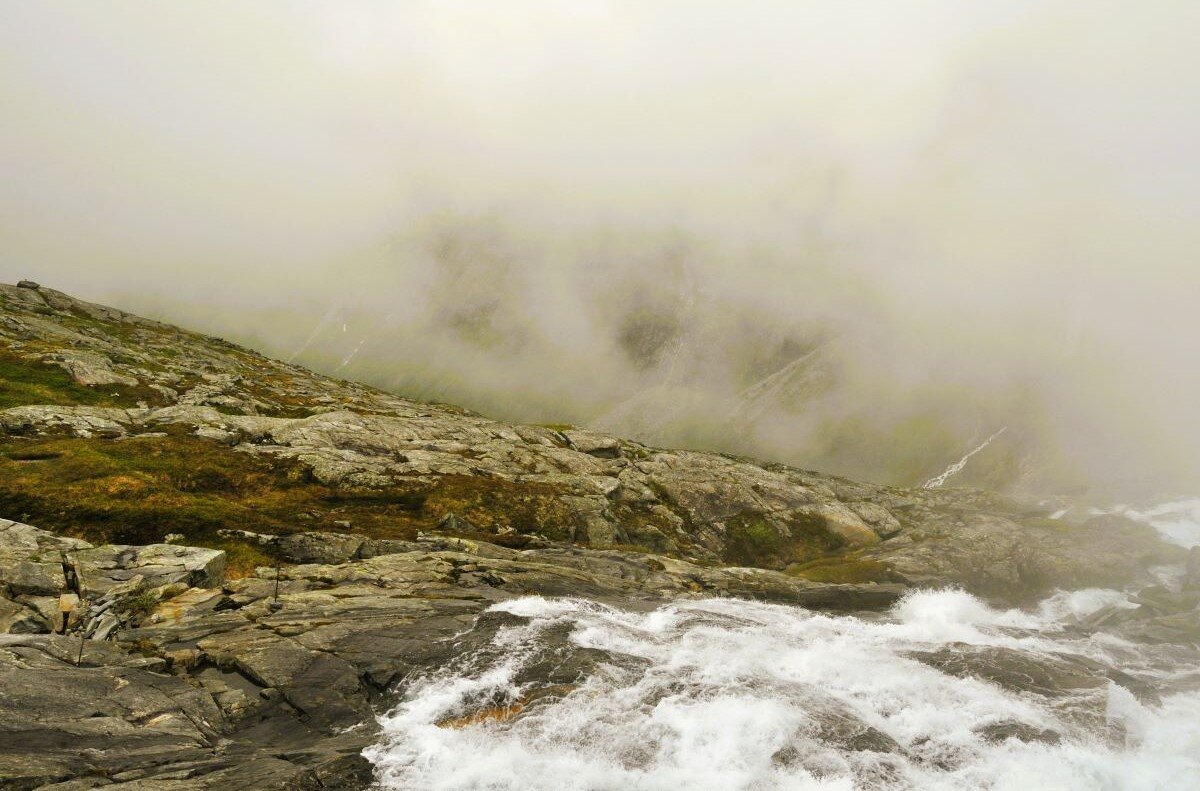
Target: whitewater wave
[1178,521]
[943,692]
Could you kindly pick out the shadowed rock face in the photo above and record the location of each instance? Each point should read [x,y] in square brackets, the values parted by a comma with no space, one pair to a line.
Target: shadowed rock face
[394,525]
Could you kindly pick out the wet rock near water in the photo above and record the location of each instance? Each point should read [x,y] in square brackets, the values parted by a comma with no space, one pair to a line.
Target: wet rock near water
[212,683]
[209,681]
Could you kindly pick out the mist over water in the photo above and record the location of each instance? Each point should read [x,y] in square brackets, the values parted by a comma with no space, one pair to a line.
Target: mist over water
[859,237]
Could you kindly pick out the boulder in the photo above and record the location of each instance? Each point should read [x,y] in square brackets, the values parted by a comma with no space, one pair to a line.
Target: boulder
[317,547]
[18,619]
[92,369]
[158,564]
[77,421]
[594,444]
[840,522]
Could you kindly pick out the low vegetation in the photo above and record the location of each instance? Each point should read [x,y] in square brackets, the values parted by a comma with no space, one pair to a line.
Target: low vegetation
[140,489]
[24,381]
[844,569]
[753,541]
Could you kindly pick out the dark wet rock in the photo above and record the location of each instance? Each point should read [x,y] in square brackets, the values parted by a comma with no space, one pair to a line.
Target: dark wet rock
[837,726]
[58,721]
[1020,731]
[1191,575]
[230,672]
[830,725]
[1052,676]
[557,662]
[1178,628]
[1161,600]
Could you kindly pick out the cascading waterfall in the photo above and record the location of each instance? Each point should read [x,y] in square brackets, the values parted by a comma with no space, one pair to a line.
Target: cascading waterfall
[957,467]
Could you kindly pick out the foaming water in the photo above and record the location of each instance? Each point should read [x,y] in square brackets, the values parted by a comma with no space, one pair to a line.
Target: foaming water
[724,694]
[1177,521]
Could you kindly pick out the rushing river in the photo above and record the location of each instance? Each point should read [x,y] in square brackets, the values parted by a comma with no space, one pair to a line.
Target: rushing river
[941,692]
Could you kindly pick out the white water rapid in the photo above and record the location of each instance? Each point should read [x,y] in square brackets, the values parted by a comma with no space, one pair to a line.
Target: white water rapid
[724,694]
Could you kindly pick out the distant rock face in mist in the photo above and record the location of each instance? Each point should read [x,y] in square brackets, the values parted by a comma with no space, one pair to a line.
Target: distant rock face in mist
[811,399]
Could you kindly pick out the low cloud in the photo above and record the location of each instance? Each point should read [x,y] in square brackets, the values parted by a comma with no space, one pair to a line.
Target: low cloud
[859,236]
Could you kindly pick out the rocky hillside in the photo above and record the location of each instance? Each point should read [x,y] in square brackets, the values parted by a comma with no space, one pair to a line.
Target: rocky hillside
[216,567]
[117,428]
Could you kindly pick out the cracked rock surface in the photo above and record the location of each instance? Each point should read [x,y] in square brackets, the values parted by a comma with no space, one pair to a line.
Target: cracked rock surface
[222,681]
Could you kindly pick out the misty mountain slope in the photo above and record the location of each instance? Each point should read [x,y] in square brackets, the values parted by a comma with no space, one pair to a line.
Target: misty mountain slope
[658,359]
[219,570]
[122,429]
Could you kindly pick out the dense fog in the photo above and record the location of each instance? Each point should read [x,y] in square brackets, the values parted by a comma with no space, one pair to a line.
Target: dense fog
[863,237]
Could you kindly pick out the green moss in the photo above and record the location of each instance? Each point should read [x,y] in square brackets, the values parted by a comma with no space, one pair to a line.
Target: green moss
[638,548]
[137,606]
[751,541]
[636,452]
[492,505]
[845,569]
[288,411]
[135,491]
[754,540]
[24,382]
[242,557]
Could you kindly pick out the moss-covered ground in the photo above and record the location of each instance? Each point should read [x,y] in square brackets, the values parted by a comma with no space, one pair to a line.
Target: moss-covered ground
[138,490]
[24,381]
[844,569]
[751,540]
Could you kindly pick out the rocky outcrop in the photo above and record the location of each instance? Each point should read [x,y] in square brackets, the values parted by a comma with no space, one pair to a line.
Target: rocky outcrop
[275,679]
[92,369]
[705,507]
